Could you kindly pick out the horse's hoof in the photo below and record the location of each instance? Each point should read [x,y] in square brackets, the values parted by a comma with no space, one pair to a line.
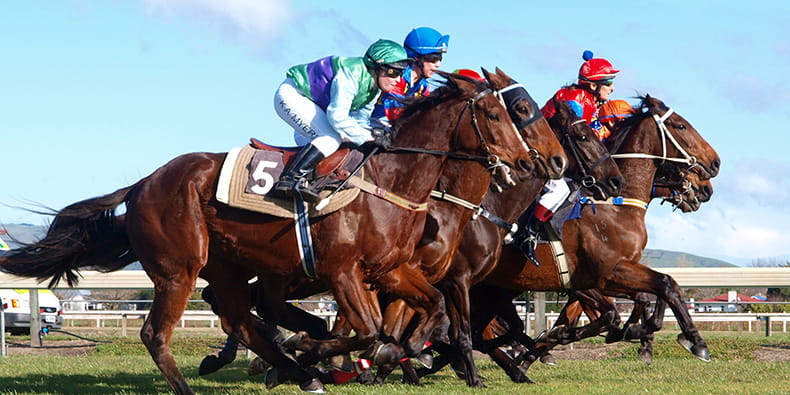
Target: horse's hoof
[272,378]
[701,352]
[380,353]
[210,364]
[632,332]
[372,351]
[313,386]
[366,378]
[646,356]
[686,343]
[426,359]
[293,341]
[257,366]
[548,359]
[614,335]
[341,362]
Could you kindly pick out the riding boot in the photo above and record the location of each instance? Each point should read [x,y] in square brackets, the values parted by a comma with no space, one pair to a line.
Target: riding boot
[529,245]
[293,180]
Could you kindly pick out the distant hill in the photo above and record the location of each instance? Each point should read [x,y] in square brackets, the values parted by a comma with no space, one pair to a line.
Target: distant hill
[664,258]
[654,258]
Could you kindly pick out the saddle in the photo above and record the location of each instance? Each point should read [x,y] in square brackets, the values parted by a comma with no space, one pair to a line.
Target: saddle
[332,165]
[249,173]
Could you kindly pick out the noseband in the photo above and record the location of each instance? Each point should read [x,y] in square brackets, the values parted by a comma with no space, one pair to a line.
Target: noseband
[490,160]
[587,179]
[665,135]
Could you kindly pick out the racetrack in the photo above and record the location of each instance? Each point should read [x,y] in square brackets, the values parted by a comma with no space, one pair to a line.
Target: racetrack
[744,363]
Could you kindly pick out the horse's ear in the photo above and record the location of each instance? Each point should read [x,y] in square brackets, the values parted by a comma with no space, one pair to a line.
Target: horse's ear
[502,74]
[486,73]
[654,105]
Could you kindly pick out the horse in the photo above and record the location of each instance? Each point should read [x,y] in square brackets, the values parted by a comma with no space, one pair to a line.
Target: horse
[595,168]
[604,248]
[445,225]
[178,231]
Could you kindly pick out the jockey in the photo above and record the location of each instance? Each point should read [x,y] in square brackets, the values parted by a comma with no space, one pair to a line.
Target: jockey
[595,85]
[330,101]
[425,46]
[586,96]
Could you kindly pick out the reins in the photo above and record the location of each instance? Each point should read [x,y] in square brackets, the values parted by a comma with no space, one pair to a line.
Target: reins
[492,161]
[587,179]
[665,134]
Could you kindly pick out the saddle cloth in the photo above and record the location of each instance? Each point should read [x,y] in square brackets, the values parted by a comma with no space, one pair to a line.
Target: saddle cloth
[248,174]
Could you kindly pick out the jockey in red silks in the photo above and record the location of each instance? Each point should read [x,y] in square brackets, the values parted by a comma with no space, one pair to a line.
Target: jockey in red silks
[594,85]
[425,46]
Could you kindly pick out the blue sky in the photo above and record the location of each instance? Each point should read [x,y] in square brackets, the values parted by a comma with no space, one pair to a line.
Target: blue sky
[95,95]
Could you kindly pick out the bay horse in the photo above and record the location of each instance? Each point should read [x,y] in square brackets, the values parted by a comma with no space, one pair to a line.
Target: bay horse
[455,278]
[445,223]
[604,247]
[686,192]
[178,231]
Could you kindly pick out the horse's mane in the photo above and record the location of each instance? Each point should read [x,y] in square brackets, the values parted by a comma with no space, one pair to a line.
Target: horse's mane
[627,125]
[450,90]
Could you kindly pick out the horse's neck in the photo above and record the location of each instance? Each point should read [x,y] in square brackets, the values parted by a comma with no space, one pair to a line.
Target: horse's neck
[510,204]
[639,175]
[464,179]
[411,176]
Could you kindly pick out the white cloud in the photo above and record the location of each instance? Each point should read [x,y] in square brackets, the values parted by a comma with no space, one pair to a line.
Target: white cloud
[252,22]
[745,220]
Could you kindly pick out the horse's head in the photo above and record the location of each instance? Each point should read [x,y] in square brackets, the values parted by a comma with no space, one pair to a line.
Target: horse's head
[683,189]
[675,140]
[590,162]
[483,129]
[526,115]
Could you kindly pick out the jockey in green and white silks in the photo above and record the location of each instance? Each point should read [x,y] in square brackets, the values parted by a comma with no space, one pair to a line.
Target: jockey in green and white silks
[329,101]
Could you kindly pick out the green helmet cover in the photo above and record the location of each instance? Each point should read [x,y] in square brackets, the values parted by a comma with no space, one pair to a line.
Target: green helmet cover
[386,52]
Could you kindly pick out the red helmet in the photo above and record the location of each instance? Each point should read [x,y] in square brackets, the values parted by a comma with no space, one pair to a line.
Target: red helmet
[595,69]
[469,73]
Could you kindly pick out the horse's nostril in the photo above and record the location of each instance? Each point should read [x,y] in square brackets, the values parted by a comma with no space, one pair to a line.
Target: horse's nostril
[525,165]
[615,183]
[558,164]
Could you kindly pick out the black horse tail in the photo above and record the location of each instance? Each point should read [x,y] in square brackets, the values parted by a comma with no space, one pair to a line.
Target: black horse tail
[85,234]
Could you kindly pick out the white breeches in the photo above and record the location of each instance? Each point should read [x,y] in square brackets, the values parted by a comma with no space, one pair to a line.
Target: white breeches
[554,194]
[309,121]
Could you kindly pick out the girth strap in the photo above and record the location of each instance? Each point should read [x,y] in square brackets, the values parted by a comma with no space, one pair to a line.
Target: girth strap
[479,211]
[399,201]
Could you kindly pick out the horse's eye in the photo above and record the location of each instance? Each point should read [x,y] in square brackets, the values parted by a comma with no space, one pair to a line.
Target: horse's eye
[681,126]
[583,137]
[493,117]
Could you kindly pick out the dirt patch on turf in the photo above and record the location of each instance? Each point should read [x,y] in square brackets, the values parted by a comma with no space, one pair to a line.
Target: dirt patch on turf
[579,351]
[777,353]
[58,347]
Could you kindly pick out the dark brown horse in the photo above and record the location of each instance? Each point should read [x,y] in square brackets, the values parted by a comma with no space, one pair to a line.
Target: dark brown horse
[176,228]
[455,279]
[603,248]
[444,226]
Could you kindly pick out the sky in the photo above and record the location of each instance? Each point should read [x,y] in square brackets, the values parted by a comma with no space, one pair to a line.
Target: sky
[96,94]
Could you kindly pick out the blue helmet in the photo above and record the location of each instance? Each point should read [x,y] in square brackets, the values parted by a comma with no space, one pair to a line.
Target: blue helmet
[424,41]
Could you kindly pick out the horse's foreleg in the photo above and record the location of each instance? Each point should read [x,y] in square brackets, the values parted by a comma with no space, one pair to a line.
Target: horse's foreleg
[635,276]
[409,284]
[458,310]
[361,313]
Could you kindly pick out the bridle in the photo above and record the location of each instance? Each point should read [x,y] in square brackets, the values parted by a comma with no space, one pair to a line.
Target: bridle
[587,180]
[490,160]
[665,135]
[515,93]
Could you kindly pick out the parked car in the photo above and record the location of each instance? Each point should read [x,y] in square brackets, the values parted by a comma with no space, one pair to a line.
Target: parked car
[16,304]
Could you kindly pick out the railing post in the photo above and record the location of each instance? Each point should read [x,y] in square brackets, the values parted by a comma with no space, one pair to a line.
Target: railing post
[123,325]
[35,319]
[540,312]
